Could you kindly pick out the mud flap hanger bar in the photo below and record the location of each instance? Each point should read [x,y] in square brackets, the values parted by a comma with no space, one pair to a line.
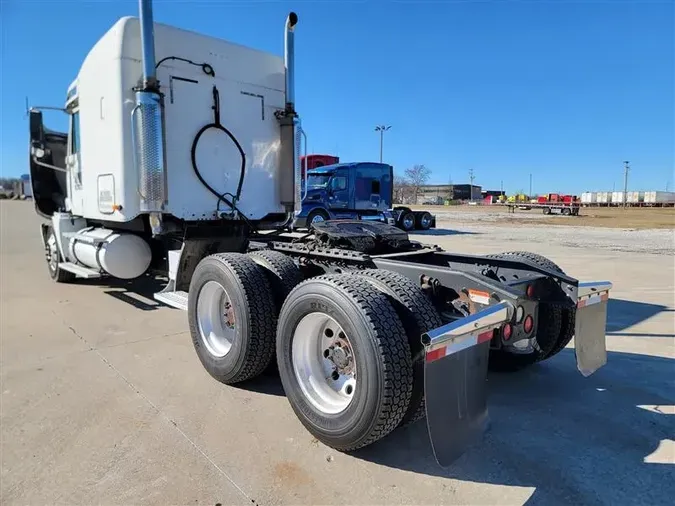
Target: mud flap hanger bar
[455,380]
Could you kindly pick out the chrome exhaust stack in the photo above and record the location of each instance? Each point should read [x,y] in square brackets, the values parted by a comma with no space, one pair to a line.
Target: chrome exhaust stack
[289,175]
[289,59]
[148,126]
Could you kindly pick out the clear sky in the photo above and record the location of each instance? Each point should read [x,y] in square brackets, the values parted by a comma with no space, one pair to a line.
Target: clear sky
[564,90]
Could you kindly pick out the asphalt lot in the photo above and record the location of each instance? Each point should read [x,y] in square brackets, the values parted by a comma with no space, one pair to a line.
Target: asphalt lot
[103,400]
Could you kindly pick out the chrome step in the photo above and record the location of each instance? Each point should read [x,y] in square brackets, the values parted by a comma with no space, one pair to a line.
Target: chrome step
[79,270]
[178,300]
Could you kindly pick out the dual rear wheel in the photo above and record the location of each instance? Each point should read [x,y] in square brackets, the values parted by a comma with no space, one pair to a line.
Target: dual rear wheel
[555,329]
[347,346]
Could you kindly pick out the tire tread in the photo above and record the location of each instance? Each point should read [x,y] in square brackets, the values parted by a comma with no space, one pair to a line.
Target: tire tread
[392,346]
[418,315]
[260,307]
[283,274]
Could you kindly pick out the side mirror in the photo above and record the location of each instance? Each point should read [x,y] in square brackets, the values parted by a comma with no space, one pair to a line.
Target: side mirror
[36,129]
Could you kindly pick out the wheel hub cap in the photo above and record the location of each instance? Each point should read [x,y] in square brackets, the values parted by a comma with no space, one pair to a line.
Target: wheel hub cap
[215,319]
[324,363]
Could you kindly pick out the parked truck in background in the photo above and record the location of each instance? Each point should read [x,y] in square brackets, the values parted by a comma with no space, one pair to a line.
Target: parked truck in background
[315,161]
[370,330]
[357,191]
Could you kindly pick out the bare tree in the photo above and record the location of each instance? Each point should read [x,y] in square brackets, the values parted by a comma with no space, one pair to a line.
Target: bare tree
[402,189]
[418,175]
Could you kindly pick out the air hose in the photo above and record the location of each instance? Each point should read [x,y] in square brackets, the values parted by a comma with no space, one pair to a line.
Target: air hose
[218,126]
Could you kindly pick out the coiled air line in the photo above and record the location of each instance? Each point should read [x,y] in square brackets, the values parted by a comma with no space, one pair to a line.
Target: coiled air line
[218,126]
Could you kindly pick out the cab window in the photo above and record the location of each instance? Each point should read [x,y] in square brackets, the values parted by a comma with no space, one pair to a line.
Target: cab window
[338,183]
[75,147]
[75,133]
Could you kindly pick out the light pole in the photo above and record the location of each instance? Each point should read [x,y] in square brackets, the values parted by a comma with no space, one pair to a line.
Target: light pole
[471,178]
[626,168]
[382,129]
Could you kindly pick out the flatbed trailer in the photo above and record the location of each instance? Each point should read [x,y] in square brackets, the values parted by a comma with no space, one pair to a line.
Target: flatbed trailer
[564,208]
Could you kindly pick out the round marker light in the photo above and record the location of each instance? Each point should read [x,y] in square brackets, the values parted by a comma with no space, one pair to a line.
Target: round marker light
[506,331]
[528,324]
[530,291]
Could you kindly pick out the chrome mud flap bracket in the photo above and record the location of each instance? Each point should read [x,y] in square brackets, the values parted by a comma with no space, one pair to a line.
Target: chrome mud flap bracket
[590,326]
[455,380]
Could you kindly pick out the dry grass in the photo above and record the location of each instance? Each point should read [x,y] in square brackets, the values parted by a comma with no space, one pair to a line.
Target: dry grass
[607,217]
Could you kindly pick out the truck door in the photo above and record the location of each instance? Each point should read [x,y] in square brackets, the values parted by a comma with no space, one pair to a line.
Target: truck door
[47,166]
[338,196]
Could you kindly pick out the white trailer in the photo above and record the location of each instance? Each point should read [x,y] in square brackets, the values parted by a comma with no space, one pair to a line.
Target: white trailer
[589,198]
[659,198]
[182,157]
[635,197]
[604,198]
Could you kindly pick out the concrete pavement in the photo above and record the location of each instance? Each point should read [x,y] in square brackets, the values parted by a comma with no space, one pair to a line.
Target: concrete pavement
[103,400]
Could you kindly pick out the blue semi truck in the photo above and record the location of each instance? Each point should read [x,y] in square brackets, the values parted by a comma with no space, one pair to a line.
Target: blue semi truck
[359,190]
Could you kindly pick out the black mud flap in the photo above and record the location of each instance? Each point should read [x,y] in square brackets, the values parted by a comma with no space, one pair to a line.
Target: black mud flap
[455,381]
[590,326]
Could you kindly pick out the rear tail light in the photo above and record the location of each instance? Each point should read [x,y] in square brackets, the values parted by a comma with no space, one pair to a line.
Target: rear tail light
[530,290]
[506,331]
[528,324]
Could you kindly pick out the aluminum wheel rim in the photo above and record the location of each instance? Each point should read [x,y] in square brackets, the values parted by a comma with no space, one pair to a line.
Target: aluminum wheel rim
[215,319]
[317,218]
[408,222]
[52,253]
[426,221]
[324,363]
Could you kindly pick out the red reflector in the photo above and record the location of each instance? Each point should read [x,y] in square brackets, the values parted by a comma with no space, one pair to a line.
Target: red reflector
[436,354]
[485,336]
[530,291]
[528,324]
[506,331]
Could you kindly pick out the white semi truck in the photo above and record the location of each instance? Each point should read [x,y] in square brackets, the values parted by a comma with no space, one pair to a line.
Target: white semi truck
[182,156]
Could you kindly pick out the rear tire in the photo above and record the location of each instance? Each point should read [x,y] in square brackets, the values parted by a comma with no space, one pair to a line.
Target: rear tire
[418,315]
[555,329]
[232,317]
[283,275]
[316,216]
[406,221]
[376,355]
[423,221]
